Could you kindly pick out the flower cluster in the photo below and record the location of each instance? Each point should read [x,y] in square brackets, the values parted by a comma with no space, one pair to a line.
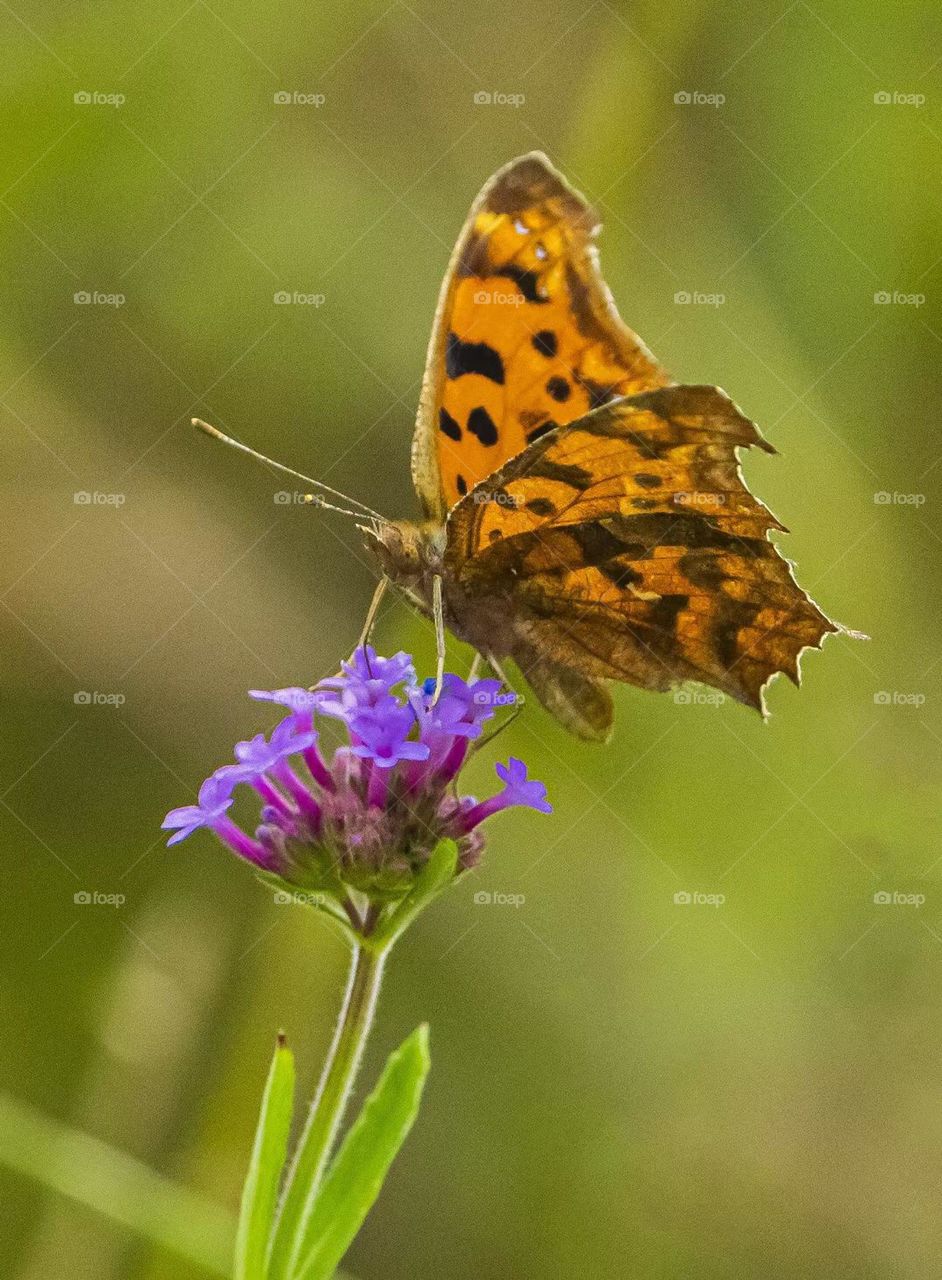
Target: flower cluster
[370,815]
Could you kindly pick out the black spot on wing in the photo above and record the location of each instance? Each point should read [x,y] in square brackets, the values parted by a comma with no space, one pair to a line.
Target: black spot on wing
[703,569]
[526,281]
[482,425]
[559,389]
[546,343]
[648,481]
[534,433]
[620,575]
[599,393]
[472,357]
[663,612]
[448,426]
[733,615]
[565,473]
[461,485]
[541,507]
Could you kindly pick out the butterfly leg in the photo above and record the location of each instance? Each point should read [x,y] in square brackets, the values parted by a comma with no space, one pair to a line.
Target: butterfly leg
[475,668]
[499,671]
[373,611]
[438,613]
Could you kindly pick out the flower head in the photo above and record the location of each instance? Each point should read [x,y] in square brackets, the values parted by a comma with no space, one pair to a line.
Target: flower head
[370,815]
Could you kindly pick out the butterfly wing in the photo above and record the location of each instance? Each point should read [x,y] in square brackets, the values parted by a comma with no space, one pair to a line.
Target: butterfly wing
[526,335]
[626,546]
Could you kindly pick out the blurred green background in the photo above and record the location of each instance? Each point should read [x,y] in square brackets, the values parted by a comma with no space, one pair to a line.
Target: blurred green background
[622,1086]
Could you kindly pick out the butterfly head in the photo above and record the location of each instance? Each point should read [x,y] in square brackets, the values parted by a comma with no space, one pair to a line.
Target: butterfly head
[409,554]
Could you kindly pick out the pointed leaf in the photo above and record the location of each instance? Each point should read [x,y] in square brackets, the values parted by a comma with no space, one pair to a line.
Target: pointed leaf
[260,1192]
[359,1169]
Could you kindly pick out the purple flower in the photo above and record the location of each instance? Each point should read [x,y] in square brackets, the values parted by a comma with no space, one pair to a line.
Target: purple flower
[518,790]
[215,799]
[381,733]
[369,817]
[294,698]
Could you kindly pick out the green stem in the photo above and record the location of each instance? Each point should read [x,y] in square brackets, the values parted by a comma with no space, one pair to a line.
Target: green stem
[327,1109]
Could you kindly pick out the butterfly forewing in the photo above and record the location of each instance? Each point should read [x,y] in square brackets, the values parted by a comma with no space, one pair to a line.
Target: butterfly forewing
[526,336]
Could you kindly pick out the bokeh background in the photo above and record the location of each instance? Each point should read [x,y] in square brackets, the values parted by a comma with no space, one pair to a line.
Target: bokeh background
[623,1086]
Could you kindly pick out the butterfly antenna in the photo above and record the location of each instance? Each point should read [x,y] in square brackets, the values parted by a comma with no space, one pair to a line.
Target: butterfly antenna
[279,466]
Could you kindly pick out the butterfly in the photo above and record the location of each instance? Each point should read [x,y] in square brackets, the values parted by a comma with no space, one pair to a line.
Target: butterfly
[582,514]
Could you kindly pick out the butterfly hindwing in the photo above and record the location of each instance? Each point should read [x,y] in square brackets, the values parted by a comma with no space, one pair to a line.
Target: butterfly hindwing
[526,336]
[626,546]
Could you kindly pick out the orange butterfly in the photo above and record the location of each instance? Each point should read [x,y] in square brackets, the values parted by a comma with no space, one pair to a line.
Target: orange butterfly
[583,515]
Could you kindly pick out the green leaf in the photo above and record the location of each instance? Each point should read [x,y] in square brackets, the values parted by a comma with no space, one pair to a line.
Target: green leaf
[436,875]
[115,1185]
[260,1192]
[359,1169]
